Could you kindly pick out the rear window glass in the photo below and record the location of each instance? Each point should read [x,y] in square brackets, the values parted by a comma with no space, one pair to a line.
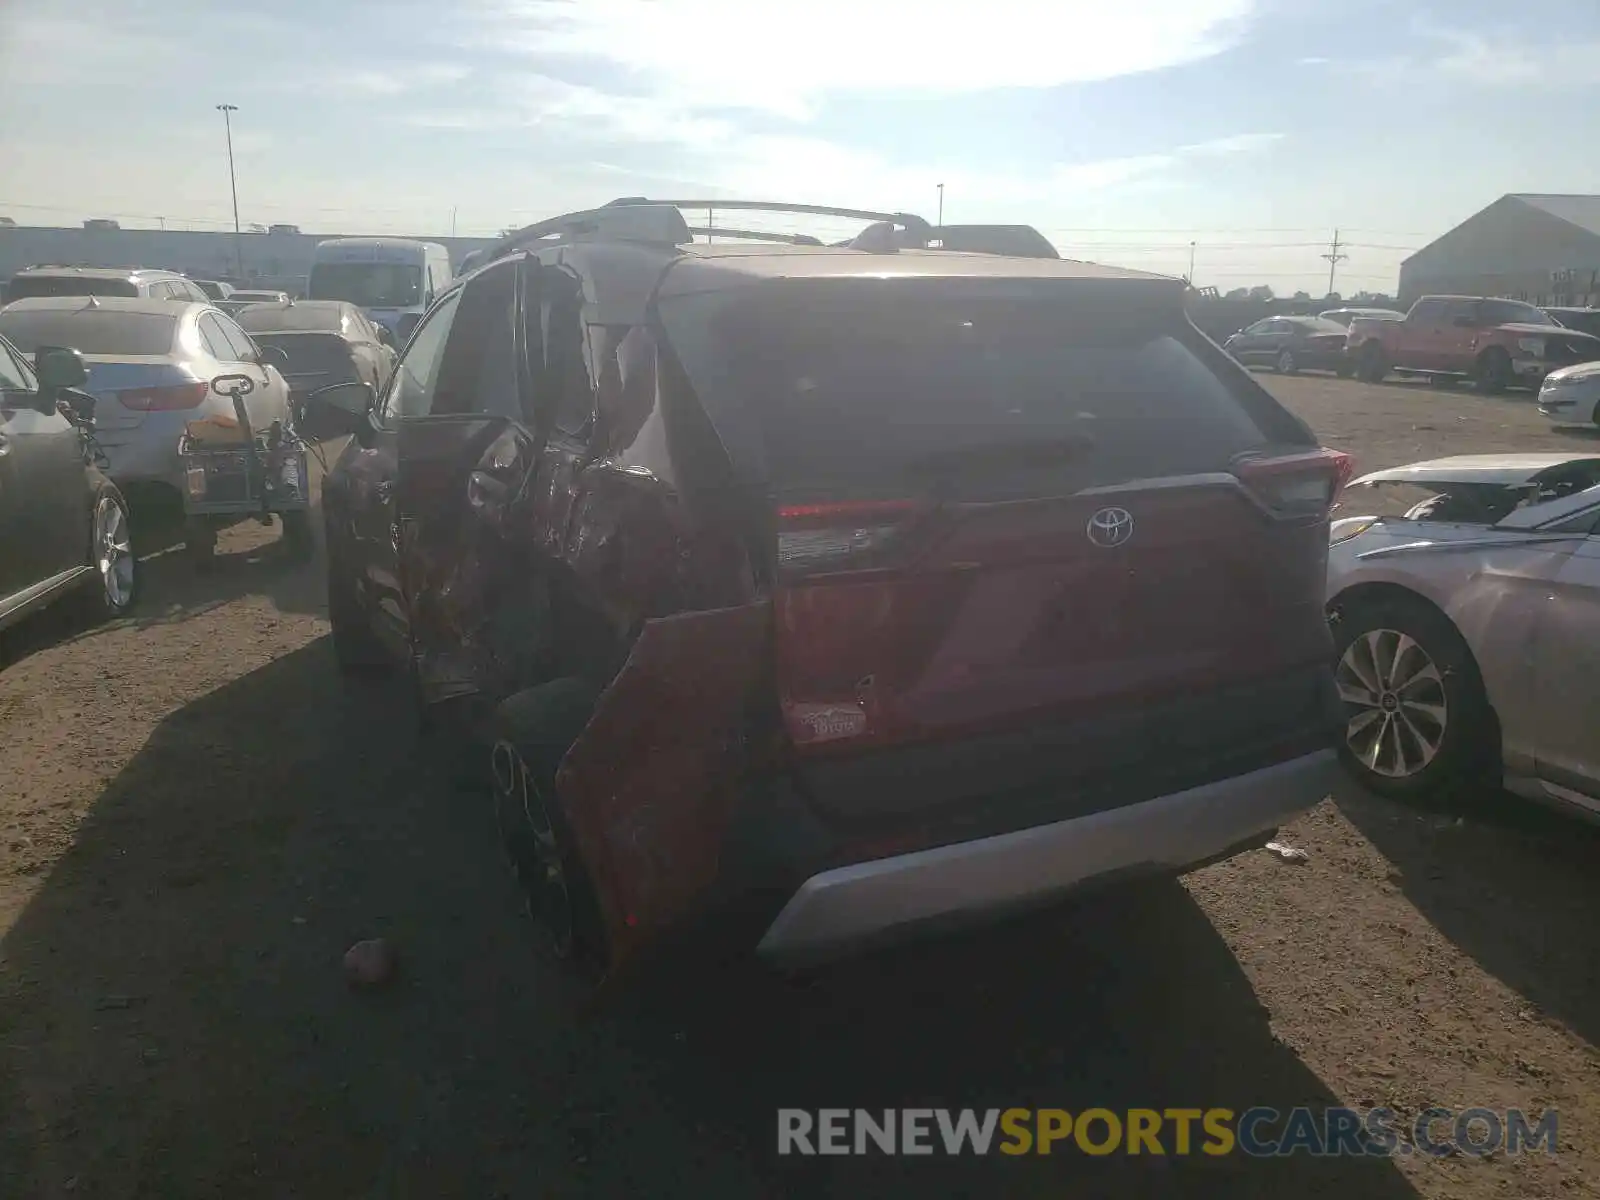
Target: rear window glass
[264,318]
[857,391]
[113,333]
[68,285]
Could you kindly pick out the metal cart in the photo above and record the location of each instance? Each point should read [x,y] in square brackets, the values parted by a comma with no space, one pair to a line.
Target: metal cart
[236,473]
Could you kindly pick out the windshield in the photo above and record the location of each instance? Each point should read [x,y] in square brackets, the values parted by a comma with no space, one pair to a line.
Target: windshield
[67,285]
[1508,312]
[856,388]
[1319,325]
[307,315]
[91,332]
[368,284]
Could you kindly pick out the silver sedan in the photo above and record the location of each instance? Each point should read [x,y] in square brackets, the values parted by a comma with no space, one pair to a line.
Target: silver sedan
[1466,610]
[1571,396]
[151,363]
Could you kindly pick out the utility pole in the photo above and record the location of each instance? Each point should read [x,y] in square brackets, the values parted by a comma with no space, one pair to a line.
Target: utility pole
[452,222]
[1191,264]
[233,182]
[941,206]
[1334,258]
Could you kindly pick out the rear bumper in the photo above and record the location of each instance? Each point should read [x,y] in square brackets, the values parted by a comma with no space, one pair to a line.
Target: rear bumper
[866,901]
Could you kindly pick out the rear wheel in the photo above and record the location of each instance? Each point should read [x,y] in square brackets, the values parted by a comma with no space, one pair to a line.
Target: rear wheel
[1373,365]
[1417,721]
[1493,371]
[533,731]
[1344,369]
[1287,364]
[116,586]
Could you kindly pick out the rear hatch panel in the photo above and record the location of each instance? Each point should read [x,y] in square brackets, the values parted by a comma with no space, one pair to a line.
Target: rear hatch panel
[945,641]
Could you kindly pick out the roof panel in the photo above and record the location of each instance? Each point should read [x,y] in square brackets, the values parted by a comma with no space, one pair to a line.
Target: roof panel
[1582,211]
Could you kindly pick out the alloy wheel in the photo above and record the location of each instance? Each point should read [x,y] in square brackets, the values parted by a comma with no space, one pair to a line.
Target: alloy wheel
[530,841]
[1395,704]
[113,553]
[1286,362]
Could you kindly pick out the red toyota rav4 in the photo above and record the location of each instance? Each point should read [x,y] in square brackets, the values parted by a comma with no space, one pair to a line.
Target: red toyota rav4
[845,589]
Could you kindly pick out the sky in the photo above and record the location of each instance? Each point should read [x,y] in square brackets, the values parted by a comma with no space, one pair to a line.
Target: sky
[1124,130]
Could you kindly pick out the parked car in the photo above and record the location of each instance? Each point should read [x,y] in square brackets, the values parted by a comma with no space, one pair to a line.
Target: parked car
[63,525]
[1291,344]
[1495,343]
[1343,316]
[851,591]
[1584,320]
[150,369]
[1468,627]
[215,289]
[323,341]
[103,281]
[1571,396]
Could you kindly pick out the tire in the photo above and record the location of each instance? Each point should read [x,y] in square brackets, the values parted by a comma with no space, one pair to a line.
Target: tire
[532,732]
[1373,365]
[299,541]
[199,542]
[1344,370]
[1492,371]
[115,588]
[355,646]
[1434,733]
[1286,363]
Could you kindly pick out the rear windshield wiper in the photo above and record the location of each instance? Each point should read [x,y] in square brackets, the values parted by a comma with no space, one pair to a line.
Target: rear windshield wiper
[987,458]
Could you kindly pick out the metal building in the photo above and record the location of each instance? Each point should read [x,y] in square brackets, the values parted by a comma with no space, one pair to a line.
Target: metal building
[1540,248]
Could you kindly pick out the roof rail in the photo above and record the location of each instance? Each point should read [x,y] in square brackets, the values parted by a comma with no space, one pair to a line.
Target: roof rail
[658,223]
[604,222]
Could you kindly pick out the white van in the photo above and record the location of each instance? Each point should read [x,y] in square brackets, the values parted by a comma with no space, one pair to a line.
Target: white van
[388,278]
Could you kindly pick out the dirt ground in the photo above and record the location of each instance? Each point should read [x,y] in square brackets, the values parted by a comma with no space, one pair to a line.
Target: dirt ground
[197,818]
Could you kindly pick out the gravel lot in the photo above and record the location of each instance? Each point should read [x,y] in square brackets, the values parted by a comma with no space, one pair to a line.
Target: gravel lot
[197,818]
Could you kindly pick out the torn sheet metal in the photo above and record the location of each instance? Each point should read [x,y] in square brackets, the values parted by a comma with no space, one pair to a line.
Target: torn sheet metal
[652,781]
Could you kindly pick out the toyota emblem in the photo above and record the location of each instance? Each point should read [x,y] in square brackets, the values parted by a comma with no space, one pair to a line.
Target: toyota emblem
[1110,527]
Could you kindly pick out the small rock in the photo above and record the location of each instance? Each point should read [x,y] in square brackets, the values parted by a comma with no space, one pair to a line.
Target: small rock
[1288,853]
[371,963]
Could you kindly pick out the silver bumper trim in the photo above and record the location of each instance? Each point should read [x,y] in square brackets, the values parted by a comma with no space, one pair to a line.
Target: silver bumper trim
[857,902]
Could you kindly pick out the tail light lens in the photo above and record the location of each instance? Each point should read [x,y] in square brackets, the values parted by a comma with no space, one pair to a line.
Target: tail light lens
[1296,484]
[163,399]
[839,536]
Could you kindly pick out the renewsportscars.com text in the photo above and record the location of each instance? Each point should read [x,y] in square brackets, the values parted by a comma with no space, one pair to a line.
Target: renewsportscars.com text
[1257,1132]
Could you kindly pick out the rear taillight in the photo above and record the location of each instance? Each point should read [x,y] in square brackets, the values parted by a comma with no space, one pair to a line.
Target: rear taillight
[163,399]
[1296,483]
[841,535]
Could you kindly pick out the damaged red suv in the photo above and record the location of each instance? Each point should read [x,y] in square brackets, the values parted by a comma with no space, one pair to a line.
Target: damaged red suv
[837,591]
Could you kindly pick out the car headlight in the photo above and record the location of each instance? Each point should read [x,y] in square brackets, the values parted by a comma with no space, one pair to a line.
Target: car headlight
[1348,527]
[1532,345]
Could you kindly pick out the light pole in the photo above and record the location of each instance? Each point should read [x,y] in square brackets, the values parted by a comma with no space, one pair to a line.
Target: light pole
[233,183]
[1191,264]
[941,206]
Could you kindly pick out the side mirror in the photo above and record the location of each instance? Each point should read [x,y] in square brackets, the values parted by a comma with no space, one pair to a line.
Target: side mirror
[337,410]
[273,356]
[59,367]
[385,336]
[81,404]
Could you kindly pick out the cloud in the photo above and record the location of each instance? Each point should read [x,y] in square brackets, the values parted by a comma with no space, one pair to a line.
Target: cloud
[782,56]
[1485,59]
[389,81]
